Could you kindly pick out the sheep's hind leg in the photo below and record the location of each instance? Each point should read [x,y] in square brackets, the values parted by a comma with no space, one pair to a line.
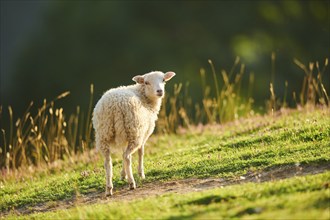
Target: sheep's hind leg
[128,166]
[109,173]
[140,168]
[123,175]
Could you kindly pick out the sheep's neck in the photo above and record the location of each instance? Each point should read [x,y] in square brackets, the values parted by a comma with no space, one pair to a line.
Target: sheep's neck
[152,104]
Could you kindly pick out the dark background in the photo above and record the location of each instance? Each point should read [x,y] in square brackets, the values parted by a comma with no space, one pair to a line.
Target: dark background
[48,47]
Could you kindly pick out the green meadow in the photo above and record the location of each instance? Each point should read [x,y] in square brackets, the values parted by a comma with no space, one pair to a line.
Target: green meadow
[297,139]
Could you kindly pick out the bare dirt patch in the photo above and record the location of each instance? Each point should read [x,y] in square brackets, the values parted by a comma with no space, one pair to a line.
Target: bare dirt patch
[178,186]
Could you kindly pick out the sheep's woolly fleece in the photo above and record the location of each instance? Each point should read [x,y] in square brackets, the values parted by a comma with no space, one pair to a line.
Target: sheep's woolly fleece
[125,115]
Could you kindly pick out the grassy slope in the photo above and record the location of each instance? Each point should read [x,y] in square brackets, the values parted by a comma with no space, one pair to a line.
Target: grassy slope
[297,198]
[223,151]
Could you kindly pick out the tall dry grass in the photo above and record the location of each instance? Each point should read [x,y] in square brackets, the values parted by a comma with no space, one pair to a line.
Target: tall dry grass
[45,137]
[51,135]
[313,91]
[222,100]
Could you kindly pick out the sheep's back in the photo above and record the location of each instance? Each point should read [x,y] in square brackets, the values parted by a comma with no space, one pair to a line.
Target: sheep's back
[120,117]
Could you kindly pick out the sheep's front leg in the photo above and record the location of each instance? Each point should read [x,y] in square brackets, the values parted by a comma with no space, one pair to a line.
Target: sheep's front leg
[108,173]
[128,166]
[141,168]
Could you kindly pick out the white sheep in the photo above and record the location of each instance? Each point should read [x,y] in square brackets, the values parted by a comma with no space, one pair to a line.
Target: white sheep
[125,117]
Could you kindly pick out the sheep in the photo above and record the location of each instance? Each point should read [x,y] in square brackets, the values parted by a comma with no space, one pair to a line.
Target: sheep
[125,117]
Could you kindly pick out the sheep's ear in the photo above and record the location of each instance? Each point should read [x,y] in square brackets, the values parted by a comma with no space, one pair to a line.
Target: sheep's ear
[169,75]
[138,79]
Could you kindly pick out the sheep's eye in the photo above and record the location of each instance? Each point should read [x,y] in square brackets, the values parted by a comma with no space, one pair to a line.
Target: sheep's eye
[147,83]
[164,81]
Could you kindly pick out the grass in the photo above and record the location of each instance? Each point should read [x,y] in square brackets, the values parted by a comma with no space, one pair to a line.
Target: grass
[49,134]
[46,136]
[296,198]
[224,151]
[48,157]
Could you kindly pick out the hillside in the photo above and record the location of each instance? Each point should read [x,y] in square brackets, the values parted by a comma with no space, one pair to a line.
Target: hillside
[265,166]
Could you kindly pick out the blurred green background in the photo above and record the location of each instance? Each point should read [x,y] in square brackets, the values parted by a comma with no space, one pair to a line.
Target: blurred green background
[48,47]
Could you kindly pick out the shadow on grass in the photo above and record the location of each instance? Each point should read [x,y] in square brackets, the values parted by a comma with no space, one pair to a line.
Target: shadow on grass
[207,200]
[250,142]
[207,168]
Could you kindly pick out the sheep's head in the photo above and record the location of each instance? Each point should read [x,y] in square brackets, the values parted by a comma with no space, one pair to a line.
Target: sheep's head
[154,83]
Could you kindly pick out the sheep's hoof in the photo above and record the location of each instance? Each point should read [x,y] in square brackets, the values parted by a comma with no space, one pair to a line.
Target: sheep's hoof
[108,191]
[132,186]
